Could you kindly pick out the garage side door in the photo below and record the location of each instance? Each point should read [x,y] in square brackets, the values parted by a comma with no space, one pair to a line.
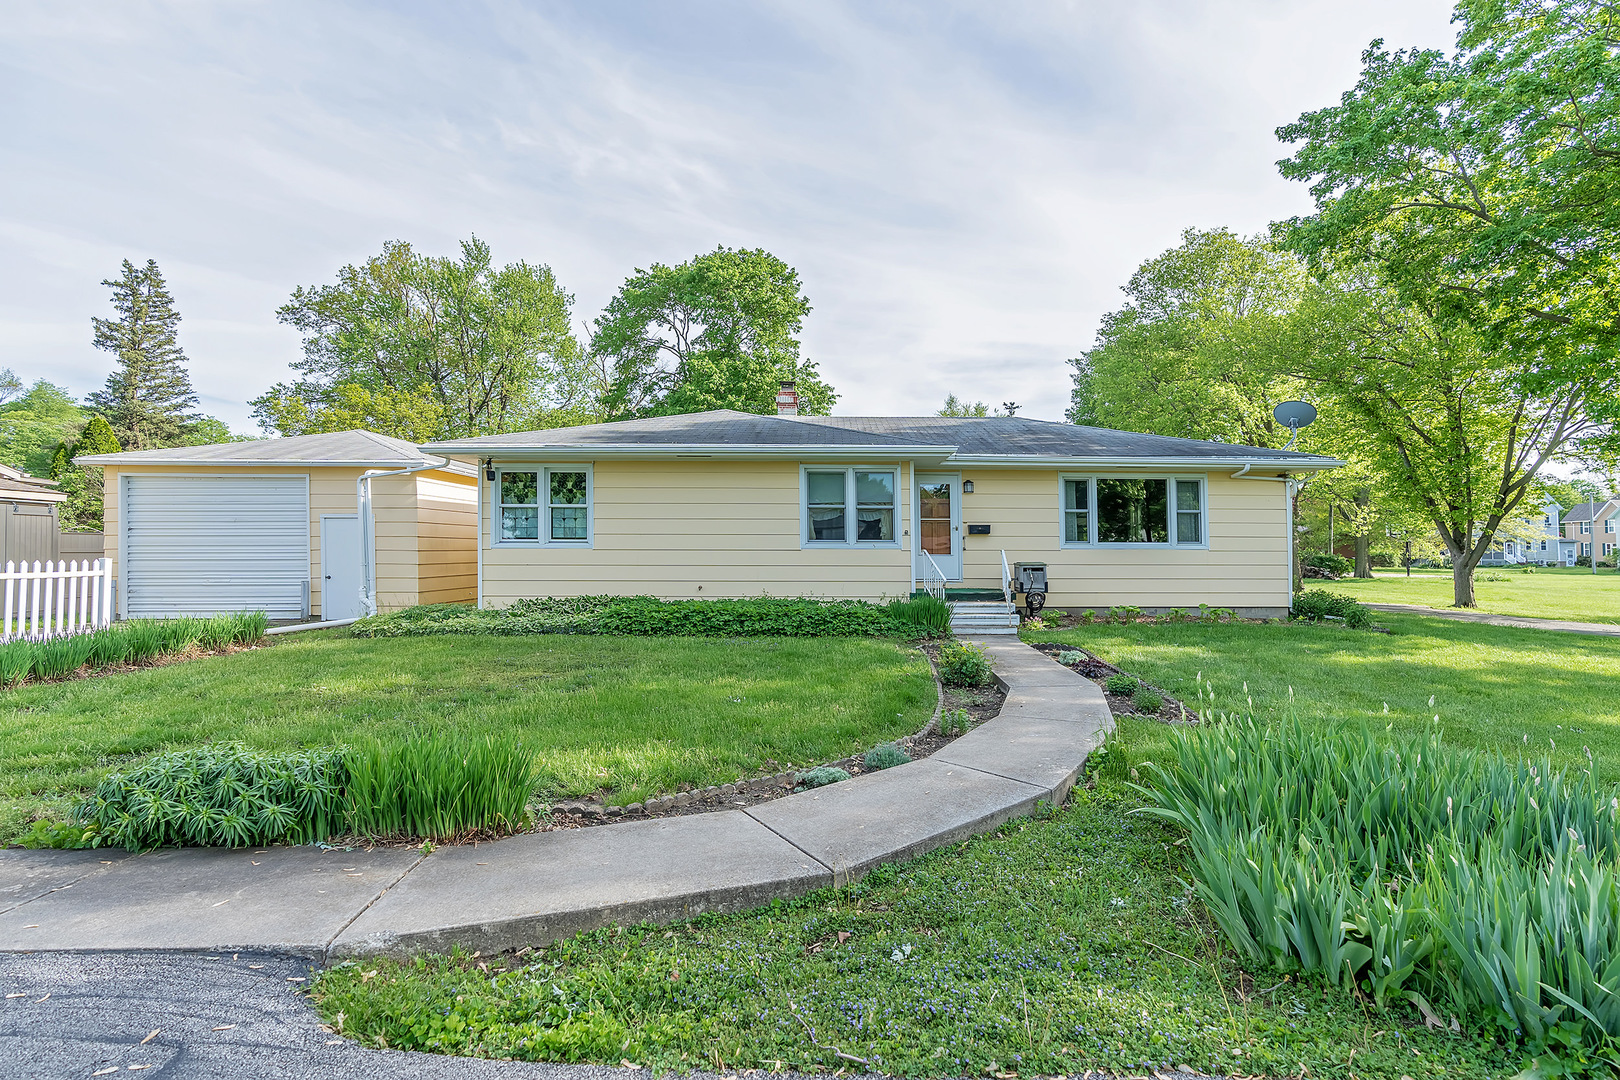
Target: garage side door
[200,545]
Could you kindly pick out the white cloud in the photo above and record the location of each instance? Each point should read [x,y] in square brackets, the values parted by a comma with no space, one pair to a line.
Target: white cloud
[962,187]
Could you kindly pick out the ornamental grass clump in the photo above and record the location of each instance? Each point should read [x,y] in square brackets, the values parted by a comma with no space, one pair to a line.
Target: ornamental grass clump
[438,785]
[219,796]
[927,615]
[1411,870]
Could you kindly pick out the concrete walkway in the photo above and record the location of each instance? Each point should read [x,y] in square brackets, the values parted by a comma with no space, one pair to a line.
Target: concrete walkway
[1522,621]
[532,889]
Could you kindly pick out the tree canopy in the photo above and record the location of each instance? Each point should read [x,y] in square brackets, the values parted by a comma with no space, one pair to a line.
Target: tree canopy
[1196,350]
[148,398]
[719,331]
[82,484]
[34,425]
[422,348]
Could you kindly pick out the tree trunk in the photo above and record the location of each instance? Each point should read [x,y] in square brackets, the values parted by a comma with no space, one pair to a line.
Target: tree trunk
[1462,576]
[1364,538]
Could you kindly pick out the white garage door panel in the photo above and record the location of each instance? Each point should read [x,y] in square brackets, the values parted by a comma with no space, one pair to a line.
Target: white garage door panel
[198,545]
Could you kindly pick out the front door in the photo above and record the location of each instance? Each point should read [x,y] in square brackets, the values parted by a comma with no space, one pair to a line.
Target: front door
[939,523]
[340,567]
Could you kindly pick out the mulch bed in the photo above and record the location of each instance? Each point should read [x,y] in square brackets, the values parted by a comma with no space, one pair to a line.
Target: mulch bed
[1173,711]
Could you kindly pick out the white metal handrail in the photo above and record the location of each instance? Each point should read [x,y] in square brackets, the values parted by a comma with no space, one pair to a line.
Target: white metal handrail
[55,598]
[1006,578]
[933,578]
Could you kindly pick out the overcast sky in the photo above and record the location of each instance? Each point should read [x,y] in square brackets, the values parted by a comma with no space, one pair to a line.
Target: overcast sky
[962,187]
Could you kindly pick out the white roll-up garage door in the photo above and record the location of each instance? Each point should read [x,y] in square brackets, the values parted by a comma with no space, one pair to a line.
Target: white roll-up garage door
[200,545]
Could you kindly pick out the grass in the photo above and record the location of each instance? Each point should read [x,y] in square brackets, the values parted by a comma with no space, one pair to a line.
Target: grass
[1055,945]
[1551,593]
[1518,691]
[625,716]
[1059,944]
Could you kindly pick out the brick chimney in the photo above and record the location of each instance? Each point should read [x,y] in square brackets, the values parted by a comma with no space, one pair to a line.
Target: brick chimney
[787,399]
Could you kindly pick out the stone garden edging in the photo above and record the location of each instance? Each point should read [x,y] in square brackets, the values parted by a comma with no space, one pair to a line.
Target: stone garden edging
[534,888]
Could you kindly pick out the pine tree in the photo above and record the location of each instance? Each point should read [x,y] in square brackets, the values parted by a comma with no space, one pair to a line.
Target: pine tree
[148,398]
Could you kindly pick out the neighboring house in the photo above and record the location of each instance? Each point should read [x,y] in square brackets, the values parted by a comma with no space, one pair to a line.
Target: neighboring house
[1551,548]
[287,526]
[1593,525]
[29,529]
[729,504]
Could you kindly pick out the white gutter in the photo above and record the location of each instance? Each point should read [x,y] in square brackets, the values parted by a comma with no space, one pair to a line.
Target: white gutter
[797,451]
[1289,487]
[362,494]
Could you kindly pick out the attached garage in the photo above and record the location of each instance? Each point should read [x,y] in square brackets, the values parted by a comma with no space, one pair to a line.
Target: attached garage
[277,525]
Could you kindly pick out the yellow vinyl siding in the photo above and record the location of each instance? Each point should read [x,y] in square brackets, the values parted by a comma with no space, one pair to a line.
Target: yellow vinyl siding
[1244,565]
[332,490]
[679,529]
[446,538]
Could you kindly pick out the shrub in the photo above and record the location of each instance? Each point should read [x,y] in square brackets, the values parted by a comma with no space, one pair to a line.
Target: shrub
[1146,701]
[1333,564]
[437,785]
[644,615]
[963,664]
[1120,684]
[1403,866]
[885,756]
[1315,605]
[222,796]
[821,776]
[955,722]
[1381,560]
[927,615]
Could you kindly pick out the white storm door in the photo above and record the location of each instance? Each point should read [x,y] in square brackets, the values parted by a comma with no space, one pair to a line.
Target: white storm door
[340,567]
[205,545]
[939,523]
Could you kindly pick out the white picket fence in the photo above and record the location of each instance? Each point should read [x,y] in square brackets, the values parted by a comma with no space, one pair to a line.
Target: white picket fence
[56,598]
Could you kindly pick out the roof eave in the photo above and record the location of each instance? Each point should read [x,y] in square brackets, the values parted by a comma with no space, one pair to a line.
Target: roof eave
[120,461]
[1050,461]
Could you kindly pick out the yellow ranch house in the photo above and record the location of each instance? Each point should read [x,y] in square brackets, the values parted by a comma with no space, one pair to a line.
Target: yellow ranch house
[731,504]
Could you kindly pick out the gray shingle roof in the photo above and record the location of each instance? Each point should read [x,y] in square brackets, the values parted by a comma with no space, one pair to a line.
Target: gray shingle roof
[994,436]
[976,436]
[720,427]
[1588,511]
[354,448]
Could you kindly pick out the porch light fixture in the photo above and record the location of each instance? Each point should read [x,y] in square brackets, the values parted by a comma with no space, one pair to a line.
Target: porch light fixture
[489,469]
[967,487]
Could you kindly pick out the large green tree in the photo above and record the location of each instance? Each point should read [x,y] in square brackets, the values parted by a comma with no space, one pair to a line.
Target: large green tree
[720,331]
[148,398]
[1468,220]
[34,425]
[1196,350]
[422,347]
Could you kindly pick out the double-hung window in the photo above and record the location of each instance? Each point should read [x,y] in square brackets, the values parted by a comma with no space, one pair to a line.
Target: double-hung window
[545,505]
[1156,510]
[850,506]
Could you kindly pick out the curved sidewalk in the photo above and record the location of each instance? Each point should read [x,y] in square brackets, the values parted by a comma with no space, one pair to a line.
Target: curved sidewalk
[534,888]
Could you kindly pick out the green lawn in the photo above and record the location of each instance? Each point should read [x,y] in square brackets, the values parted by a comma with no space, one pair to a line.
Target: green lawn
[627,715]
[1518,691]
[1553,593]
[1055,946]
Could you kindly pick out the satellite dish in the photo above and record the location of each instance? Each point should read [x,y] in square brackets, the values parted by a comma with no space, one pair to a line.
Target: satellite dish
[1294,415]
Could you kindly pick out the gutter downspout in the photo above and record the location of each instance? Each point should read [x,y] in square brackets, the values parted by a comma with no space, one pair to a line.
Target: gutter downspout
[1290,487]
[368,529]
